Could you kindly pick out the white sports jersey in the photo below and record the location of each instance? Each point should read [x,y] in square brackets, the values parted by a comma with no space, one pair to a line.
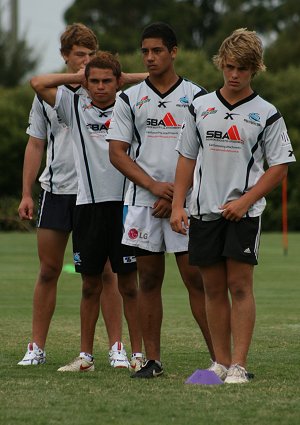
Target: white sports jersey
[98,179]
[230,144]
[59,175]
[150,122]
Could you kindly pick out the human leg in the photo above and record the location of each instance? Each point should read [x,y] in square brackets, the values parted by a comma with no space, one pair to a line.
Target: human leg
[128,288]
[192,279]
[51,249]
[218,310]
[240,284]
[111,305]
[151,270]
[89,310]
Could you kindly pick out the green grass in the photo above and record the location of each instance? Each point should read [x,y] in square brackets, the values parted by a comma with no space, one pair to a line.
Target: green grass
[40,395]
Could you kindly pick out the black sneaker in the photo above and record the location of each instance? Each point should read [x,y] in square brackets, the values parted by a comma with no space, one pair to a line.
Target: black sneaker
[151,369]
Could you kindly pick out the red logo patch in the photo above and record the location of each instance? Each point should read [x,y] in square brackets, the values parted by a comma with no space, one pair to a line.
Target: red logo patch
[133,233]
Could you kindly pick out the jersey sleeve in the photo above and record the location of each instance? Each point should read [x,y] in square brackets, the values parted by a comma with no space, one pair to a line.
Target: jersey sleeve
[188,143]
[37,124]
[122,122]
[277,145]
[63,105]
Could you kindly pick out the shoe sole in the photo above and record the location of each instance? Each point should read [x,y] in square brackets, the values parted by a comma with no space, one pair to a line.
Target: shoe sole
[120,367]
[78,370]
[30,363]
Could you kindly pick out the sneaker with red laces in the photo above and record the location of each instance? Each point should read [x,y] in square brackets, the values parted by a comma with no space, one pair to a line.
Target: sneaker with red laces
[117,356]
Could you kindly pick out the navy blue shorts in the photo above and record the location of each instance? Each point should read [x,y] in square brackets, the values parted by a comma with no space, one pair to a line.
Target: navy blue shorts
[97,235]
[56,211]
[213,241]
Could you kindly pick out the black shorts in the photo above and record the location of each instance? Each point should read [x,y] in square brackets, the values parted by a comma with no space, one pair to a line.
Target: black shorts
[56,211]
[97,235]
[213,241]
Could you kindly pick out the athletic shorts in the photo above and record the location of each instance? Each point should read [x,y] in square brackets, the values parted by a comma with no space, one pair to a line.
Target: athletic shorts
[55,211]
[149,233]
[214,241]
[97,234]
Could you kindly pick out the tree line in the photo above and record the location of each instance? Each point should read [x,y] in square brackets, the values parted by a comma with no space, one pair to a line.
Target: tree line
[200,26]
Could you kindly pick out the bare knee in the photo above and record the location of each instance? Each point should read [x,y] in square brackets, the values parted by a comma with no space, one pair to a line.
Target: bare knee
[91,287]
[239,290]
[150,282]
[49,274]
[127,284]
[193,282]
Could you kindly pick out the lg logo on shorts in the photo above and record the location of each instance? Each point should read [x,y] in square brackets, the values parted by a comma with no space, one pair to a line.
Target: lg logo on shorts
[134,234]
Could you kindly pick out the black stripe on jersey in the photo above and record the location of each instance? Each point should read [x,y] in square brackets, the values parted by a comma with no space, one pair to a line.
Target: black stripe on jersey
[163,95]
[73,89]
[235,105]
[269,122]
[198,194]
[125,98]
[52,138]
[202,90]
[251,162]
[76,100]
[191,109]
[273,118]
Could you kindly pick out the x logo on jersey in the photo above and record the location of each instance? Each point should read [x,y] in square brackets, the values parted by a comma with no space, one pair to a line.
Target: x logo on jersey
[163,104]
[228,115]
[102,114]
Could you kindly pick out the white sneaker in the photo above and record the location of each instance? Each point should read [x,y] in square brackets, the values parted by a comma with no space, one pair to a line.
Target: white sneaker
[34,356]
[118,357]
[136,362]
[220,370]
[236,375]
[79,364]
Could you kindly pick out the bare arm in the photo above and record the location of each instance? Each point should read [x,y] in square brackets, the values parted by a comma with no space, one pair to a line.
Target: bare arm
[235,210]
[125,164]
[32,161]
[183,181]
[132,78]
[46,85]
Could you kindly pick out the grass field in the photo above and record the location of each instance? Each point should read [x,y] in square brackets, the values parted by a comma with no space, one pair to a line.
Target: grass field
[42,396]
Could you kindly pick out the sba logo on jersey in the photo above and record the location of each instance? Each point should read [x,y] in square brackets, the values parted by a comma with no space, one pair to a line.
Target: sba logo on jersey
[167,121]
[99,127]
[232,135]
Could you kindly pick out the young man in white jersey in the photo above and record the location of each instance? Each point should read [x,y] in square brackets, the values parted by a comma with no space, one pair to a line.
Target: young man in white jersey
[226,137]
[147,117]
[57,202]
[99,205]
